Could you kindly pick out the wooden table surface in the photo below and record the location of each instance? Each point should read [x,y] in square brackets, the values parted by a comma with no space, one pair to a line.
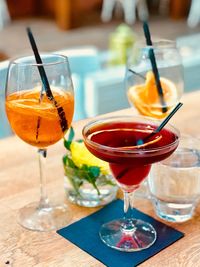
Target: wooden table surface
[19,185]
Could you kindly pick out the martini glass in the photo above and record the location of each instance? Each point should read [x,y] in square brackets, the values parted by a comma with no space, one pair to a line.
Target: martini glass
[115,140]
[40,120]
[140,81]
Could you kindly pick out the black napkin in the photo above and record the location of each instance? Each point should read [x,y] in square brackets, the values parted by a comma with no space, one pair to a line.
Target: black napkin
[85,234]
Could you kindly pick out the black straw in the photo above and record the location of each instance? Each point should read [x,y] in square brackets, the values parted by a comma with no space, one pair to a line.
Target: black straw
[159,128]
[157,79]
[147,33]
[45,82]
[138,74]
[141,142]
[168,117]
[154,65]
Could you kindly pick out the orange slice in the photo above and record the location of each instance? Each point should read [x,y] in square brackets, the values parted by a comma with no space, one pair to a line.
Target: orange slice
[157,138]
[146,99]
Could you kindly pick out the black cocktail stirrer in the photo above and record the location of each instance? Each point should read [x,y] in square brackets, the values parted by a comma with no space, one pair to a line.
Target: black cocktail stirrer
[147,33]
[154,66]
[159,128]
[157,79]
[138,74]
[148,42]
[140,142]
[46,86]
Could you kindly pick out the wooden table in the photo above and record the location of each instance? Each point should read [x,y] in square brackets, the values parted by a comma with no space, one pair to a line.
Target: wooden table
[19,185]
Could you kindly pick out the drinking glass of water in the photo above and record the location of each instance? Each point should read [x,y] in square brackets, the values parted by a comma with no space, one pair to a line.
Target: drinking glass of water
[175,182]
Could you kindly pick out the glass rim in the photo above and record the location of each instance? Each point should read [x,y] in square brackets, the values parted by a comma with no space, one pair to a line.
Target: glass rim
[61,59]
[186,141]
[132,151]
[157,43]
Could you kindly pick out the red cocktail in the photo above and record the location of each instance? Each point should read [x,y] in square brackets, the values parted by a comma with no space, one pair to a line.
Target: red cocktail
[116,140]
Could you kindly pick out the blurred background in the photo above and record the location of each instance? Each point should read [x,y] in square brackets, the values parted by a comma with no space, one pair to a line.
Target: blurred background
[88,32]
[60,24]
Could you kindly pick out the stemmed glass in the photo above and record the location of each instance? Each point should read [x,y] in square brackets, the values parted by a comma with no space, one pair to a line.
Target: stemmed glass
[140,80]
[115,140]
[40,121]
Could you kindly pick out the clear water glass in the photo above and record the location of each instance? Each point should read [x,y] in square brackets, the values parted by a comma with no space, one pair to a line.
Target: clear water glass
[174,183]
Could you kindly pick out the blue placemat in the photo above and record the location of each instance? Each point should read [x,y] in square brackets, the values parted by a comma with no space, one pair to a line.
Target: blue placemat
[85,234]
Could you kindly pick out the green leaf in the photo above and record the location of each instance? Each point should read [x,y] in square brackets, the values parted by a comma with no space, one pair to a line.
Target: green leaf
[95,171]
[65,159]
[67,143]
[91,174]
[70,163]
[80,140]
[71,134]
[84,167]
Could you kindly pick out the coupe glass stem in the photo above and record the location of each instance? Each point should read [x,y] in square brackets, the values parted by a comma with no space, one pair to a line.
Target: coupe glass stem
[128,210]
[128,227]
[44,201]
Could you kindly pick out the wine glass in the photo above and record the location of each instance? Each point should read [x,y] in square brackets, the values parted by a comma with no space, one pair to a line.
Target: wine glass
[40,118]
[115,140]
[141,85]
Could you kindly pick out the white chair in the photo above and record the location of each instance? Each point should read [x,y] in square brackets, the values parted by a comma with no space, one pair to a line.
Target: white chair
[4,14]
[194,14]
[129,7]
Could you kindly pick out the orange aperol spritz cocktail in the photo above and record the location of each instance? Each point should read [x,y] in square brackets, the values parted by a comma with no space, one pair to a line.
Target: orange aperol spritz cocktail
[40,113]
[37,122]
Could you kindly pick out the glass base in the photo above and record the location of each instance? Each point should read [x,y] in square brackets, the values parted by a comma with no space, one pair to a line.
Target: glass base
[48,218]
[173,212]
[138,237]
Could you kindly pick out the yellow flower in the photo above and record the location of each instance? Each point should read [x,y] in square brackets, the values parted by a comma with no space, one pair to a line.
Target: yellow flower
[81,155]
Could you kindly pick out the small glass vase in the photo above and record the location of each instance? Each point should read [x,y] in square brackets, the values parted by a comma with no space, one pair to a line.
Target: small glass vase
[87,193]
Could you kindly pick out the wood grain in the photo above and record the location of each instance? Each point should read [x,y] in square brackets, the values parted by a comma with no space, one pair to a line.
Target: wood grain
[19,185]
